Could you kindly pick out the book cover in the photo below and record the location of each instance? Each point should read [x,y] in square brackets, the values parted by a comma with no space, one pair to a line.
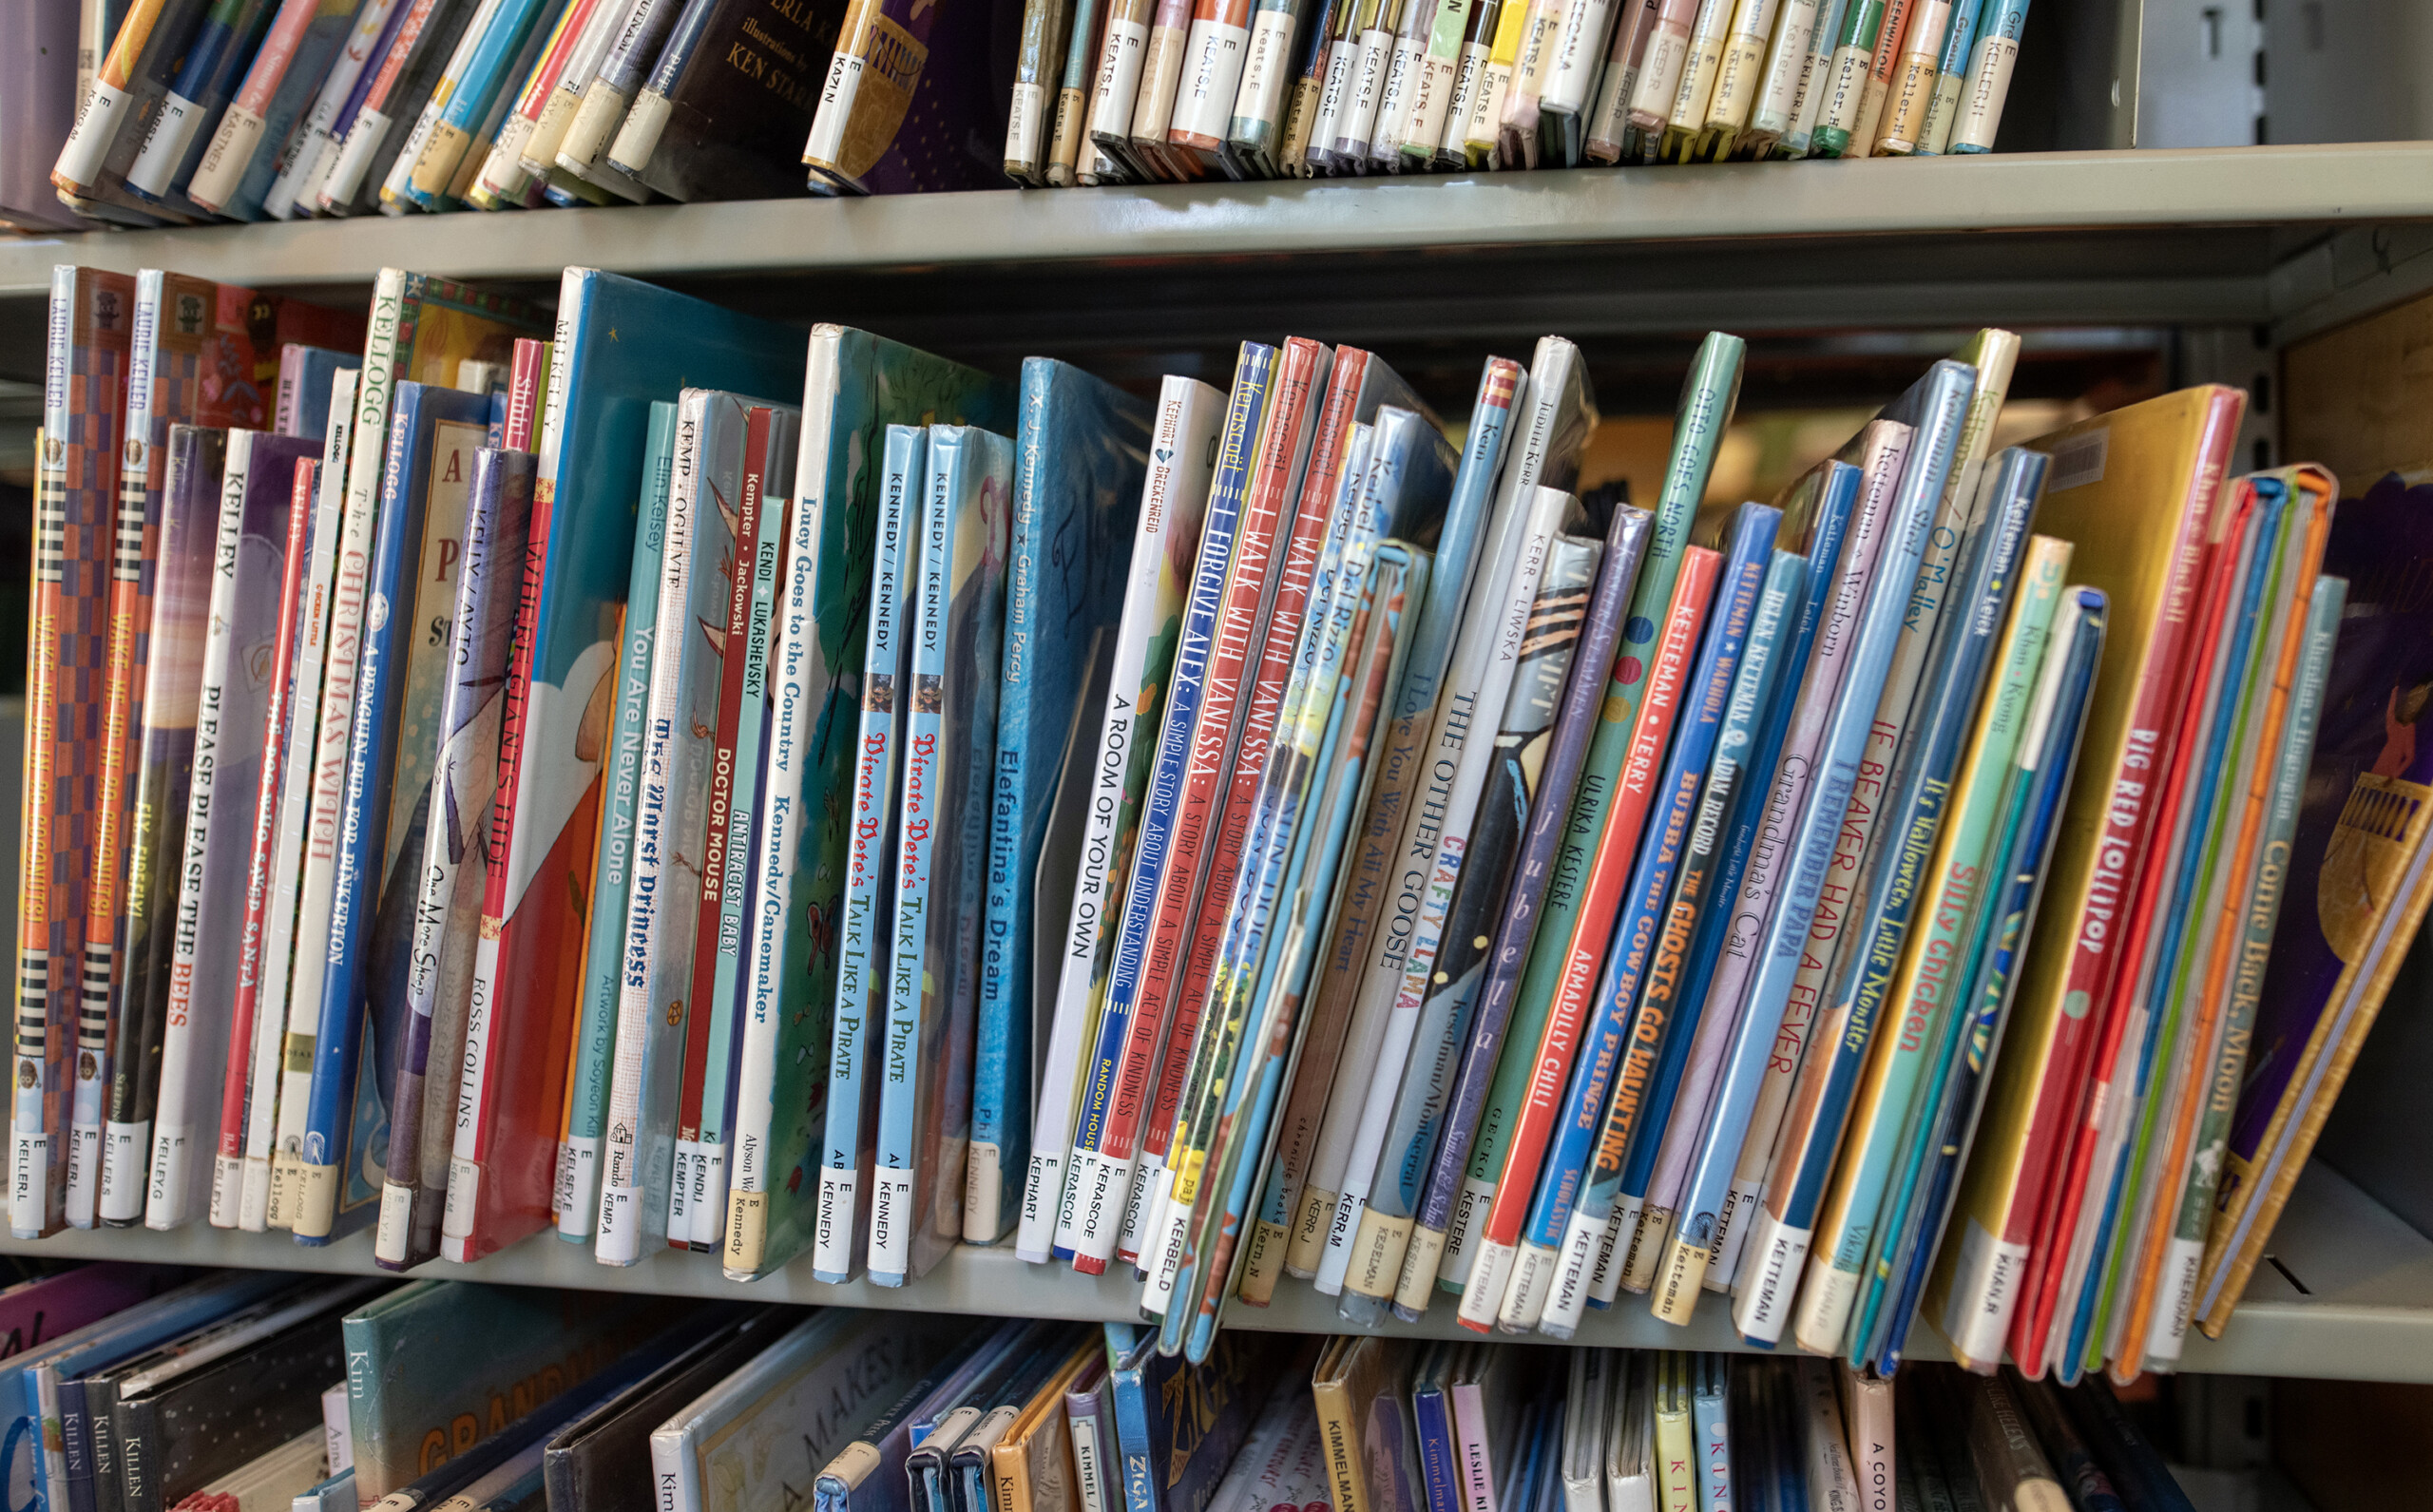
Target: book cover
[304,374]
[178,1437]
[909,105]
[957,635]
[577,1195]
[602,1459]
[855,384]
[777,1422]
[38,108]
[2136,491]
[1165,547]
[733,112]
[380,809]
[67,642]
[434,1367]
[238,680]
[1081,452]
[454,862]
[528,972]
[1178,1425]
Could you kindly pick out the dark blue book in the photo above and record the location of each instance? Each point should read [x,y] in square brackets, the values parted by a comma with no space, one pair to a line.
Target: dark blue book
[1178,1425]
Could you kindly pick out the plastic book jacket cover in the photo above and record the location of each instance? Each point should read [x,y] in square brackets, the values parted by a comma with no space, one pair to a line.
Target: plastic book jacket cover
[1078,463]
[737,113]
[823,614]
[1178,1425]
[619,344]
[2367,810]
[922,98]
[435,1366]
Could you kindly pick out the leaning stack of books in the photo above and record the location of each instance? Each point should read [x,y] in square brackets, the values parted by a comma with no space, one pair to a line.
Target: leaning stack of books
[485,784]
[244,1389]
[192,110]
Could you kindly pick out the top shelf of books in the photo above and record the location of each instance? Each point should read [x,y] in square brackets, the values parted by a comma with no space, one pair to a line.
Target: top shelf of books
[2186,235]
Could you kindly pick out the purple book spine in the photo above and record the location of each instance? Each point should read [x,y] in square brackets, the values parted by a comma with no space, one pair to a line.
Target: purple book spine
[1574,726]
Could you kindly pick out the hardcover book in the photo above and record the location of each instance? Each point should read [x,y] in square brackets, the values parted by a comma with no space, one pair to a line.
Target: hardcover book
[909,102]
[731,110]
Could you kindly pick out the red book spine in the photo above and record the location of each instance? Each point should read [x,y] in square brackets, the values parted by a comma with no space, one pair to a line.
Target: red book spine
[259,879]
[525,380]
[2128,818]
[705,932]
[1609,876]
[507,986]
[1166,1020]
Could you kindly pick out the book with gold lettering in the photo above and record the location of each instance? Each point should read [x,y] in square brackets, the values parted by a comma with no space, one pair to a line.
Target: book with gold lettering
[909,102]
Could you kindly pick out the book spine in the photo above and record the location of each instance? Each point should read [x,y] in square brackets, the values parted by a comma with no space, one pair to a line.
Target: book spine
[1340,1429]
[1648,948]
[1486,900]
[274,1017]
[35,1125]
[1553,817]
[1991,1283]
[1551,1071]
[737,572]
[1174,495]
[578,1171]
[253,965]
[1157,860]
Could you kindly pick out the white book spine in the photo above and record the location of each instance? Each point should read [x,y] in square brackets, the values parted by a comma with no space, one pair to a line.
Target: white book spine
[295,812]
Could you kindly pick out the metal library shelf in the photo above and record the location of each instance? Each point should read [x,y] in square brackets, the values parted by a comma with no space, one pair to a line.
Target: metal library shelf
[2214,235]
[2348,1293]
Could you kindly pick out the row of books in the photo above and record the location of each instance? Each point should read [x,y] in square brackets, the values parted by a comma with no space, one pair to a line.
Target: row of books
[190,109]
[145,1389]
[1146,91]
[958,812]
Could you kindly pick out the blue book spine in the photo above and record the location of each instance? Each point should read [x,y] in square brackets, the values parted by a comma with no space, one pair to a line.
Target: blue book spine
[1245,407]
[372,758]
[683,40]
[864,935]
[1576,1136]
[1584,1170]
[181,123]
[479,84]
[1127,1351]
[1437,1455]
[1736,796]
[923,562]
[612,869]
[1710,1178]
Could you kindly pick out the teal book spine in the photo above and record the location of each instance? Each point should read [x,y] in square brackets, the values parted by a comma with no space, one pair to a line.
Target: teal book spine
[578,1170]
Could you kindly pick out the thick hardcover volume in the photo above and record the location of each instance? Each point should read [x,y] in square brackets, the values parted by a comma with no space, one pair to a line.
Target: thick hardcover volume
[908,105]
[240,677]
[1153,858]
[2107,477]
[1533,753]
[957,658]
[455,861]
[1176,496]
[1079,460]
[1183,460]
[2364,844]
[854,386]
[656,999]
[1268,597]
[382,802]
[528,969]
[708,1018]
[612,869]
[68,674]
[866,931]
[155,822]
[722,119]
[1315,1139]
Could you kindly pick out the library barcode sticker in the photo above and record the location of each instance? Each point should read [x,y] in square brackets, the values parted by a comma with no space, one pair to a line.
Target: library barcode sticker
[2079,460]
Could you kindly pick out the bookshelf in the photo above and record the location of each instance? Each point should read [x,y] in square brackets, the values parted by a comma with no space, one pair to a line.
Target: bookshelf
[2281,242]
